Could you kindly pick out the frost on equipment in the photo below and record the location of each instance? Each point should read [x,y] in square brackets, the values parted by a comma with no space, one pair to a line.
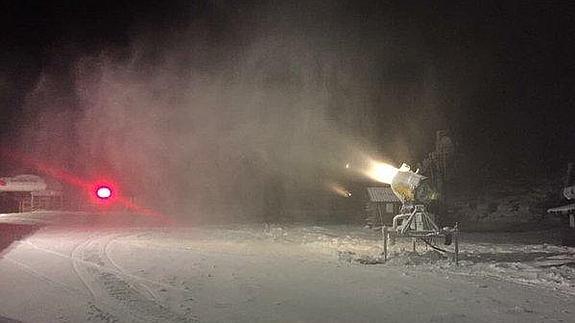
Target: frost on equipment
[414,220]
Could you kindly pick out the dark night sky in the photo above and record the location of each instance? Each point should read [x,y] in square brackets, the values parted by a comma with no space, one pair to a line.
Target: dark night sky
[502,70]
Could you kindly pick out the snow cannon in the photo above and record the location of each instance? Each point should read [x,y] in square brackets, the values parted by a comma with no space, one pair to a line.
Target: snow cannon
[411,187]
[414,220]
[415,194]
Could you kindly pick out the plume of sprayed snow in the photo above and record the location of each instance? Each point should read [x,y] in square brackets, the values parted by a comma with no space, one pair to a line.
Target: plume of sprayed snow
[244,127]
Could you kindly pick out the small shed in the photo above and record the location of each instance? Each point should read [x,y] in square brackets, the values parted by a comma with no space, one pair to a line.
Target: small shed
[25,193]
[382,205]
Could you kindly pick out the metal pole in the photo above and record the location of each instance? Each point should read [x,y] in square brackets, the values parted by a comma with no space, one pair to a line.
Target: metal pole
[384,230]
[456,236]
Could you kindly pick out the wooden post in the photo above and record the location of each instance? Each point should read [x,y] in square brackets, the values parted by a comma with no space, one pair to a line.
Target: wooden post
[414,240]
[384,230]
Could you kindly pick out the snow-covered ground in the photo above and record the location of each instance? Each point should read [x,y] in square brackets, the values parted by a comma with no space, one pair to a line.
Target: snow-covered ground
[77,267]
[532,258]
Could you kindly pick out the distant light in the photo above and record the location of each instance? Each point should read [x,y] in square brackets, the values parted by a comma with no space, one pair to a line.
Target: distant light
[347,166]
[103,192]
[339,190]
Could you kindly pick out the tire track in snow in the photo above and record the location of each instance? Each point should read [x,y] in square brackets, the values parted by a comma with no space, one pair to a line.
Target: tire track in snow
[73,256]
[101,267]
[123,293]
[104,279]
[105,251]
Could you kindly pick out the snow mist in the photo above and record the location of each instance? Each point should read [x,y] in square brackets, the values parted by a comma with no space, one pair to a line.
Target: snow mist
[247,119]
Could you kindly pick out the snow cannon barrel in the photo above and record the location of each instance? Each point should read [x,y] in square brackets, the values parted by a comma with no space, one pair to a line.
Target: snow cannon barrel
[411,187]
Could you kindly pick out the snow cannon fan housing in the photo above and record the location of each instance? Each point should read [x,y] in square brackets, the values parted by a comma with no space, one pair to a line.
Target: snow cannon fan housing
[411,187]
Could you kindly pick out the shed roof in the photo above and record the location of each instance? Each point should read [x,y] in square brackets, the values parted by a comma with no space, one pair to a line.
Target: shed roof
[381,194]
[47,193]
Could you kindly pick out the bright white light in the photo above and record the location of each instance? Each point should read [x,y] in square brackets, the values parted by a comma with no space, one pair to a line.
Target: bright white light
[103,192]
[382,172]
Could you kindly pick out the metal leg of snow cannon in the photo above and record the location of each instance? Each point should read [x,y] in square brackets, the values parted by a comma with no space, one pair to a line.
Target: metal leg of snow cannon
[456,244]
[385,236]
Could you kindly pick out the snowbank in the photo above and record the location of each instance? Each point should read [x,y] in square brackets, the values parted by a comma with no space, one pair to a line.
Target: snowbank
[518,257]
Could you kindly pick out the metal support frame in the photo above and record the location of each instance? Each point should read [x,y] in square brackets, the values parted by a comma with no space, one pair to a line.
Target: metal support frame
[427,229]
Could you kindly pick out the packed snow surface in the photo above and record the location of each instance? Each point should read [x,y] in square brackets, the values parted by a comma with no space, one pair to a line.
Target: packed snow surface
[79,267]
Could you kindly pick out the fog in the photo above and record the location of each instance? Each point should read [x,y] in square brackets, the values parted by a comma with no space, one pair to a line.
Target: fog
[248,116]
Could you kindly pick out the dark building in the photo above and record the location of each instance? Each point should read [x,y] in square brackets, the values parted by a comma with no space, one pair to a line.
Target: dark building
[382,205]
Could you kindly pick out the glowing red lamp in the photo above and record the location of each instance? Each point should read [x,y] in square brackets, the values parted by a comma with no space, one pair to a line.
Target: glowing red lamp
[104,192]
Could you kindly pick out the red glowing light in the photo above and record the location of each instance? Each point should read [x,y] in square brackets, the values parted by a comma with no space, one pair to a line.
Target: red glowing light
[68,178]
[103,192]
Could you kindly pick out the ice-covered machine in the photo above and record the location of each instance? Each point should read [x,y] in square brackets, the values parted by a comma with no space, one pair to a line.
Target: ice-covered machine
[414,219]
[414,194]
